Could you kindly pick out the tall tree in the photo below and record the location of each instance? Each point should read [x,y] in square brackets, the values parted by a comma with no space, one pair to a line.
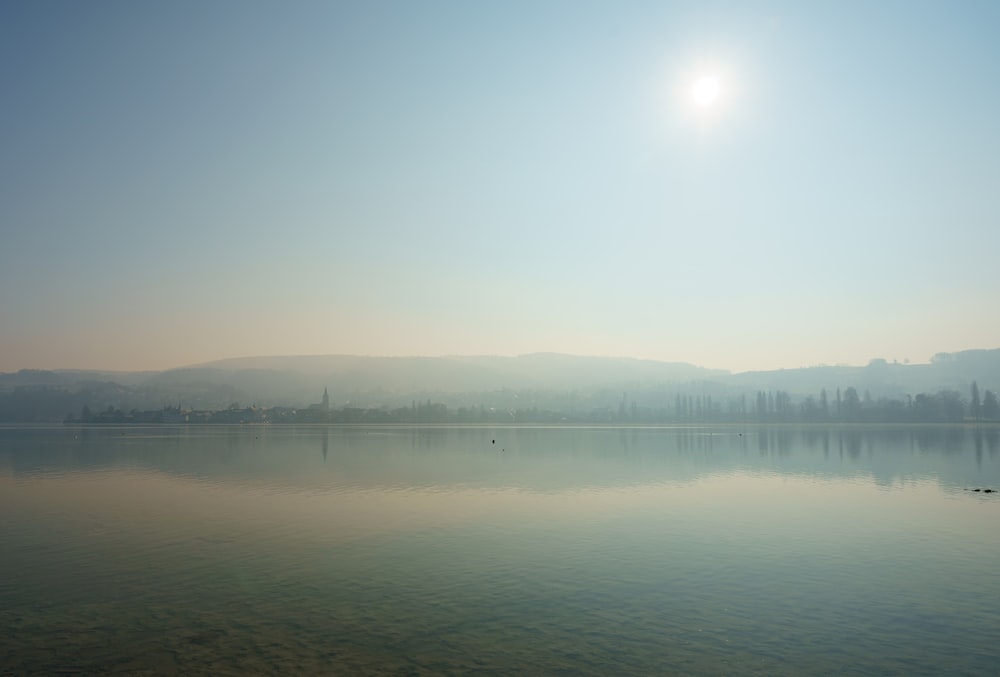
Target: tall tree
[991,408]
[852,404]
[975,401]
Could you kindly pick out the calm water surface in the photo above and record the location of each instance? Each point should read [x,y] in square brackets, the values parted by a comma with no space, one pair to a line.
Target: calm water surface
[703,551]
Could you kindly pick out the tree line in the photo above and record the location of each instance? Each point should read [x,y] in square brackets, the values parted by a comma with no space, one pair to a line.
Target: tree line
[763,406]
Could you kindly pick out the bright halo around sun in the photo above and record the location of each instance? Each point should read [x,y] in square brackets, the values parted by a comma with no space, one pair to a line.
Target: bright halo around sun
[705,91]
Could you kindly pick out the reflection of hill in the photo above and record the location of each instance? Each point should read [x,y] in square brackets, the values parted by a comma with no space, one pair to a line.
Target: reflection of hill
[319,458]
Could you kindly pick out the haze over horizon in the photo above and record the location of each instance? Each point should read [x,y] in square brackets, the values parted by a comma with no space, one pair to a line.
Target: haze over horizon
[248,361]
[735,186]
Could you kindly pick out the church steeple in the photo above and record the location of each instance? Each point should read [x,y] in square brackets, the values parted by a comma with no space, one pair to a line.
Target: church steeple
[326,400]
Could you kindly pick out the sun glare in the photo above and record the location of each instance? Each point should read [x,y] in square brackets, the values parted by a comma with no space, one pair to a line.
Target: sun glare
[705,91]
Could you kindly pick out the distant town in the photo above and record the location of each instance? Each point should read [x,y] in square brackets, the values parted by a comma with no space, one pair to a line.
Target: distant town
[541,388]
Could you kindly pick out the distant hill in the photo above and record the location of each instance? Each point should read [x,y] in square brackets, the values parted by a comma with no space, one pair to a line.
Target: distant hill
[951,371]
[39,377]
[352,377]
[546,380]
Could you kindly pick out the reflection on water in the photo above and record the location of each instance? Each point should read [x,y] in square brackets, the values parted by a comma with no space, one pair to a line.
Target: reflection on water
[540,459]
[428,550]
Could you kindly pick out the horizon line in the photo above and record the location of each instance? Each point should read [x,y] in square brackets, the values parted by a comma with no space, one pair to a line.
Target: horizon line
[209,363]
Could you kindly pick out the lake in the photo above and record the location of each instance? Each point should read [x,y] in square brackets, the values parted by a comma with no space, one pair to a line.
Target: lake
[493,550]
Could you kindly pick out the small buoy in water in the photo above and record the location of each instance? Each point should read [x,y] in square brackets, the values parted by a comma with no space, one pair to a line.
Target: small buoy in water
[494,442]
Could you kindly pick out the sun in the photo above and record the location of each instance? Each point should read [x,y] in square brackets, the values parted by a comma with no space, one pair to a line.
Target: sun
[705,91]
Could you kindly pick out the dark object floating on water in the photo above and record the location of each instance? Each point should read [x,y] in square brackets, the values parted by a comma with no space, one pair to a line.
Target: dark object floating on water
[985,491]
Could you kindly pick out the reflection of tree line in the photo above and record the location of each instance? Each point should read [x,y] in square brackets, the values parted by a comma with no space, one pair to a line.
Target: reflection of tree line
[845,440]
[780,441]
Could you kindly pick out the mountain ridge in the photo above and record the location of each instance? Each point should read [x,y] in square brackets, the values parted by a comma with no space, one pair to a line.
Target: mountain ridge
[547,379]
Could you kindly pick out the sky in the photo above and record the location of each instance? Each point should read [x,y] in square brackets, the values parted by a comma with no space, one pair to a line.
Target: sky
[187,181]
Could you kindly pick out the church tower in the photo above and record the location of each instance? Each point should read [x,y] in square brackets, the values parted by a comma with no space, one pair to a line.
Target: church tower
[326,400]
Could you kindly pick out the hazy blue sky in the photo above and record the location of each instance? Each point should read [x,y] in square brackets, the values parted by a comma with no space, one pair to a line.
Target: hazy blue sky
[185,181]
